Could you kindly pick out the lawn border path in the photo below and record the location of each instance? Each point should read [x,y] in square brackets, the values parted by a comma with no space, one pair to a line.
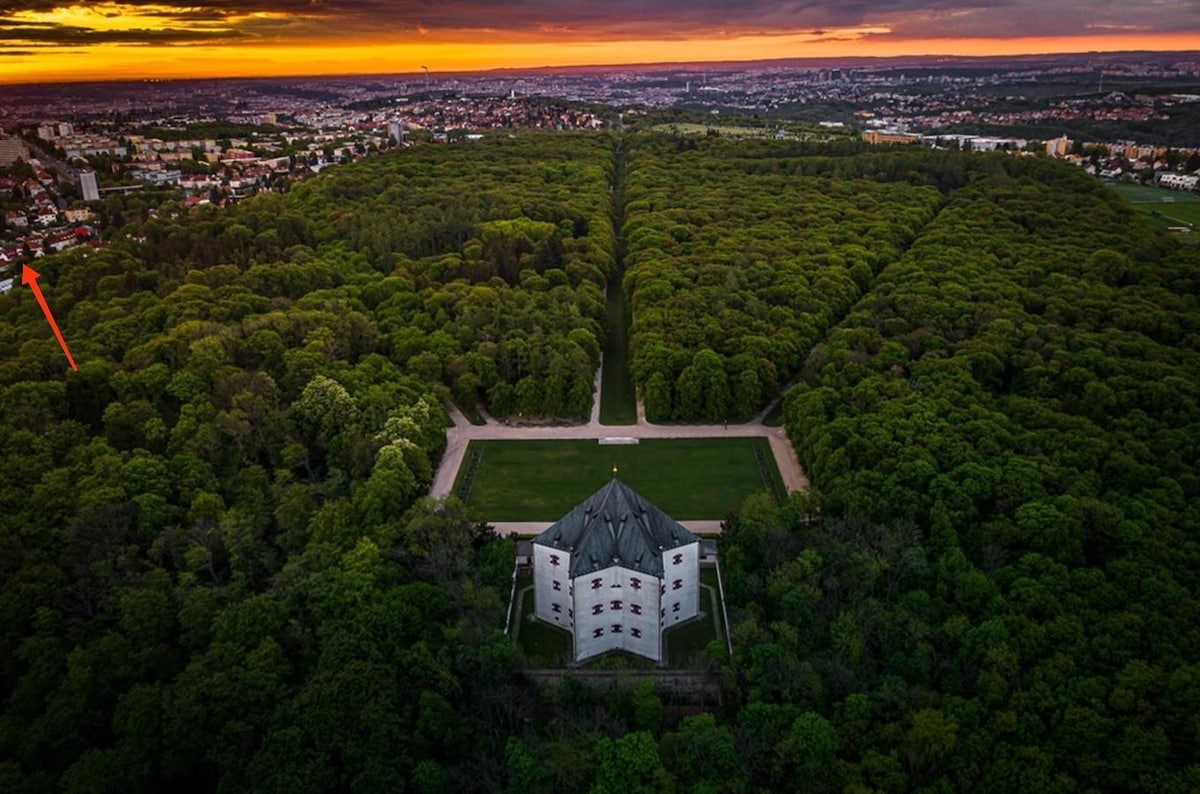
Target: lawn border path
[463,432]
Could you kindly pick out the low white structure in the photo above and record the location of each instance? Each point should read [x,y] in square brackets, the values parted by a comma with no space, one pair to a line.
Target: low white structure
[1178,181]
[617,573]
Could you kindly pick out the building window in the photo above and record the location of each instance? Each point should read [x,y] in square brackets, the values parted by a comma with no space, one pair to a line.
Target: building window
[677,584]
[616,628]
[616,604]
[557,585]
[597,584]
[635,583]
[598,632]
[554,559]
[570,613]
[556,607]
[677,559]
[597,609]
[636,632]
[635,609]
[675,607]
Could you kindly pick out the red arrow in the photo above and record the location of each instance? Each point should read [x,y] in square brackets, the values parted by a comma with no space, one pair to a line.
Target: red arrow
[30,276]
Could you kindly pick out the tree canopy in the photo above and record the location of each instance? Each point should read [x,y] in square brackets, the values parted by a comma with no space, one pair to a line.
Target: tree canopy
[218,571]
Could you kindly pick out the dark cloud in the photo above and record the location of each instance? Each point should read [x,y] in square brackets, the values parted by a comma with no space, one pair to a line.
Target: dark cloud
[70,35]
[192,21]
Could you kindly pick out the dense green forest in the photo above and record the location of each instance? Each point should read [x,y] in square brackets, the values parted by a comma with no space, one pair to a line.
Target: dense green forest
[1020,390]
[217,572]
[481,269]
[739,260]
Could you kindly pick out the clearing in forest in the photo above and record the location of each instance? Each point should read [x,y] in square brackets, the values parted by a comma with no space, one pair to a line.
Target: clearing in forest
[687,478]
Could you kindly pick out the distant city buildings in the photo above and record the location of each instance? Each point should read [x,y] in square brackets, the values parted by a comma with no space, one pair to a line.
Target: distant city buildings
[1178,181]
[876,137]
[121,139]
[396,131]
[1059,147]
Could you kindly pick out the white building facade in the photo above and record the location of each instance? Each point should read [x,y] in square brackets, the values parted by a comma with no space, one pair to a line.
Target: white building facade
[1178,181]
[617,573]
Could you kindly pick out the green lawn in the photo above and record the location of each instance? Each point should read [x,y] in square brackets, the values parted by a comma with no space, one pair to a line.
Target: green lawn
[687,644]
[686,478]
[541,644]
[732,130]
[618,406]
[1165,207]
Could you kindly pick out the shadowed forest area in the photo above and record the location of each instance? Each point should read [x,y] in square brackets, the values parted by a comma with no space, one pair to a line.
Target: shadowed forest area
[218,573]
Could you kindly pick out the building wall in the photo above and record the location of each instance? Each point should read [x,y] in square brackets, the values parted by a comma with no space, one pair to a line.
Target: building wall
[617,608]
[550,566]
[681,584]
[616,602]
[1059,147]
[1178,181]
[880,137]
[647,598]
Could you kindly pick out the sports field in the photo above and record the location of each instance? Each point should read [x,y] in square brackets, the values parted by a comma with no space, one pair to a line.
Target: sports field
[1166,208]
[701,478]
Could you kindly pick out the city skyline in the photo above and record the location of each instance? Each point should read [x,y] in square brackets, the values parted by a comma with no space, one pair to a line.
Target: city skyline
[46,41]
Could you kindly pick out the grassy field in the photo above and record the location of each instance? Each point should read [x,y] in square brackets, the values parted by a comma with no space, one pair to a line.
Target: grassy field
[687,478]
[618,406]
[688,128]
[541,644]
[687,645]
[1165,208]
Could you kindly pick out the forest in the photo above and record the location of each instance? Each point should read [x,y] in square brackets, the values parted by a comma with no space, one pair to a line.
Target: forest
[218,571]
[737,266]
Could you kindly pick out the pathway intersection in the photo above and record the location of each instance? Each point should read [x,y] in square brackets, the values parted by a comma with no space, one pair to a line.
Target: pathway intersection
[463,433]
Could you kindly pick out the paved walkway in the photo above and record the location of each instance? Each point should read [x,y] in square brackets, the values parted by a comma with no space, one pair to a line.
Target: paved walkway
[699,526]
[463,433]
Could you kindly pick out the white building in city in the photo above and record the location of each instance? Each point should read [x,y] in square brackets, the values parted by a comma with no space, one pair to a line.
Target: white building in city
[88,187]
[617,573]
[396,131]
[1178,181]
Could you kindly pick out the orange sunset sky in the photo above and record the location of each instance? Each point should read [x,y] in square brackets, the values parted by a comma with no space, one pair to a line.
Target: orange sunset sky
[44,40]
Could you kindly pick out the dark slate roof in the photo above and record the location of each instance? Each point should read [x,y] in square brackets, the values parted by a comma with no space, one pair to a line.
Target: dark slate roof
[616,526]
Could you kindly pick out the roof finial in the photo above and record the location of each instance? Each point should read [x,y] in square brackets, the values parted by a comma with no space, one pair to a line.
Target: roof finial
[614,471]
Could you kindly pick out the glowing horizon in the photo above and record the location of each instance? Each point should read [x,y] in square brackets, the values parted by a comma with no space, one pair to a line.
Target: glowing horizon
[43,41]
